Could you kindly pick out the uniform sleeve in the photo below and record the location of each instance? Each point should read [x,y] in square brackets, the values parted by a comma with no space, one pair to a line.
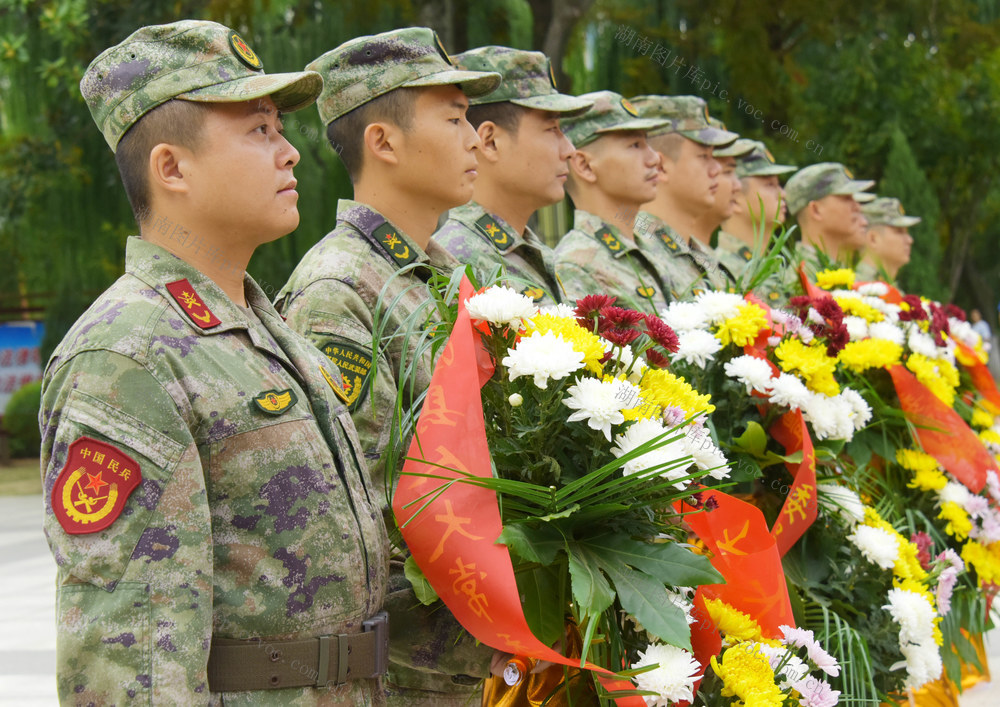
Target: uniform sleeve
[134,599]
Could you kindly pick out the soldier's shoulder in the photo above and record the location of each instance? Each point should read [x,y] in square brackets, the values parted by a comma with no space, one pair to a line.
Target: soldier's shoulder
[339,255]
[575,241]
[455,234]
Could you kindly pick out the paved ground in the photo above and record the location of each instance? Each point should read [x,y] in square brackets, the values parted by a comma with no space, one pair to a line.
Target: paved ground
[27,633]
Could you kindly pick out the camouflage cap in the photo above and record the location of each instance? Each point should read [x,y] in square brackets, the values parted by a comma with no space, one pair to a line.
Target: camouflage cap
[688,116]
[528,80]
[609,113]
[819,180]
[759,162]
[191,60]
[740,147]
[368,67]
[863,197]
[888,211]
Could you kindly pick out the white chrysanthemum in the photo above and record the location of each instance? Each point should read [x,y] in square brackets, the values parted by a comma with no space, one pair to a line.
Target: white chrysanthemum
[718,306]
[887,331]
[857,328]
[789,390]
[842,501]
[698,443]
[543,356]
[877,545]
[755,373]
[673,681]
[923,663]
[641,432]
[684,316]
[921,343]
[682,602]
[876,289]
[501,306]
[831,417]
[915,615]
[956,493]
[861,413]
[963,331]
[558,310]
[697,347]
[600,403]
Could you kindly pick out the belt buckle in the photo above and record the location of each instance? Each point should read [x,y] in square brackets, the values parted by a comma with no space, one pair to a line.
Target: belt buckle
[379,625]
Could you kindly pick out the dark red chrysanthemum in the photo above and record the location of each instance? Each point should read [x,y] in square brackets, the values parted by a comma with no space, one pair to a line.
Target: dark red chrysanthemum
[939,325]
[619,318]
[657,360]
[836,339]
[589,307]
[953,310]
[916,312]
[619,336]
[711,504]
[828,308]
[924,544]
[660,332]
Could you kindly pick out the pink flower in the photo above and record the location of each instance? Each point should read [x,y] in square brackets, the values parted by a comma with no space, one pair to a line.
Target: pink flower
[802,638]
[816,693]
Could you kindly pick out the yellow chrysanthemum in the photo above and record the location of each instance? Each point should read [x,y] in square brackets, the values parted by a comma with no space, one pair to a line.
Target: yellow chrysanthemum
[812,364]
[915,460]
[746,673]
[958,522]
[928,480]
[859,308]
[661,387]
[990,437]
[981,418]
[583,341]
[907,565]
[859,356]
[985,560]
[734,624]
[829,279]
[937,374]
[744,327]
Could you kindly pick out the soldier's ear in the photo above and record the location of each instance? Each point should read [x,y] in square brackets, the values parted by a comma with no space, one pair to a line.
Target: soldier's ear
[168,168]
[380,142]
[489,135]
[582,164]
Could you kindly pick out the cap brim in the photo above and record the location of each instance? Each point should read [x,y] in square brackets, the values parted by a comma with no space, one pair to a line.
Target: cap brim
[290,91]
[644,124]
[905,221]
[853,186]
[568,106]
[862,197]
[472,83]
[733,150]
[771,170]
[713,137]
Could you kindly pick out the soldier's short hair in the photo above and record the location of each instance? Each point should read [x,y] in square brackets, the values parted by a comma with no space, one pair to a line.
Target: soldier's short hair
[176,122]
[503,114]
[347,133]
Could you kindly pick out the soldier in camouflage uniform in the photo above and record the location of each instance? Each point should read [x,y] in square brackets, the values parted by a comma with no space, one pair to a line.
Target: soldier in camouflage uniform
[889,241]
[824,199]
[394,105]
[613,172]
[206,498]
[760,206]
[522,167]
[727,195]
[689,179]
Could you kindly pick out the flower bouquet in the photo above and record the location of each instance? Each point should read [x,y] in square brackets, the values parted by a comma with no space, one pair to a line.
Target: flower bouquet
[539,494]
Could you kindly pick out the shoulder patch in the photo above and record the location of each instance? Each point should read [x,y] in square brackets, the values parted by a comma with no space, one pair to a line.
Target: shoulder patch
[495,232]
[773,296]
[609,239]
[645,291]
[668,240]
[745,253]
[535,293]
[194,307]
[391,242]
[90,491]
[275,402]
[354,365]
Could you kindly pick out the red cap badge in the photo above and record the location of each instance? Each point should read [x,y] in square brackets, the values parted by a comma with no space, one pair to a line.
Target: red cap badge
[93,486]
[192,304]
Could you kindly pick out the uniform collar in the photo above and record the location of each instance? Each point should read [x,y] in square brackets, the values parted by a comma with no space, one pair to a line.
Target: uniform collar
[471,214]
[390,242]
[656,229]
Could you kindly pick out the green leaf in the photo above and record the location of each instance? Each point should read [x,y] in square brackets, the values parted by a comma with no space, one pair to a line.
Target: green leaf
[591,590]
[543,605]
[646,599]
[667,562]
[753,440]
[421,587]
[532,544]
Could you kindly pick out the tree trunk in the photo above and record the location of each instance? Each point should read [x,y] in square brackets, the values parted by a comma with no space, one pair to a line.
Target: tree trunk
[554,20]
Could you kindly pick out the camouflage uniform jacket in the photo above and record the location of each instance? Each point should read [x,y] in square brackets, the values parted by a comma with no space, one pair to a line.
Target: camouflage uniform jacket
[735,256]
[484,241]
[332,297]
[867,272]
[593,258]
[254,518]
[678,263]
